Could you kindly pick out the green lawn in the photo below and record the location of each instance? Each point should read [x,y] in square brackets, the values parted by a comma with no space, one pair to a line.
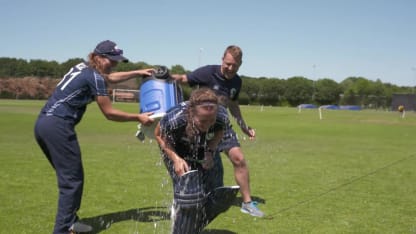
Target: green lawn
[351,172]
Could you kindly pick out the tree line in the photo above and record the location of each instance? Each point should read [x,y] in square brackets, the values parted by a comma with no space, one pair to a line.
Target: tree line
[35,79]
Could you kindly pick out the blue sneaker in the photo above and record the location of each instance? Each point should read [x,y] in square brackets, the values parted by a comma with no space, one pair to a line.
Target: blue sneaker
[252,209]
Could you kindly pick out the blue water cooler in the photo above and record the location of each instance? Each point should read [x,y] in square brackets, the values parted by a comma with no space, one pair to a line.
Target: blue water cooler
[158,93]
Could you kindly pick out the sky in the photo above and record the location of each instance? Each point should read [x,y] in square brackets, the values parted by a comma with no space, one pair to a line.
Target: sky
[316,39]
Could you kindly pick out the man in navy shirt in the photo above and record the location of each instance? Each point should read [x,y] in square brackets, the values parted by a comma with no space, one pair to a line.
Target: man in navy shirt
[55,126]
[225,81]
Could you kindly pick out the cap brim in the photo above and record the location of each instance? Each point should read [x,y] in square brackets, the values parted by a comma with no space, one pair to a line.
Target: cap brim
[118,58]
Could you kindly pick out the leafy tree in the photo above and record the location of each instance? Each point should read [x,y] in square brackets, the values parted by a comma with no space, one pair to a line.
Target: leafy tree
[272,91]
[349,98]
[263,90]
[11,67]
[251,88]
[65,66]
[131,66]
[326,92]
[367,93]
[298,90]
[43,68]
[177,69]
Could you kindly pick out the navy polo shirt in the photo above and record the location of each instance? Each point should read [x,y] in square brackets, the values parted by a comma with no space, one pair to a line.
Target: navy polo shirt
[210,76]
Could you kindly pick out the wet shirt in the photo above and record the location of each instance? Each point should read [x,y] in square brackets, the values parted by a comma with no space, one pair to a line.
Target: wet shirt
[173,125]
[74,92]
[210,76]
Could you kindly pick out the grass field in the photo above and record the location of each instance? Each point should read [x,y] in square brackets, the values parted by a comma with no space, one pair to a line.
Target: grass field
[351,172]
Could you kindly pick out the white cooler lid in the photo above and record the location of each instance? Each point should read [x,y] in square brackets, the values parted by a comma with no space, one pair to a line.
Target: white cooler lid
[149,130]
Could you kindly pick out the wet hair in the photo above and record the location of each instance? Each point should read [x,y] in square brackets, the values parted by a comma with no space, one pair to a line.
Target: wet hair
[201,96]
[235,51]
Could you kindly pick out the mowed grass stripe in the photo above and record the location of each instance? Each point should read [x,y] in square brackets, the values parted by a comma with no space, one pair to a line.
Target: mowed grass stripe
[349,172]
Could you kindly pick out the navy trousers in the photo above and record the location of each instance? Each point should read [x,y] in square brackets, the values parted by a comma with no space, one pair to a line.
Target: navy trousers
[193,207]
[58,141]
[198,197]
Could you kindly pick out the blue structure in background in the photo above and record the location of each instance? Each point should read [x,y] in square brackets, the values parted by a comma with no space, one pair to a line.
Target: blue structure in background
[307,106]
[350,107]
[330,107]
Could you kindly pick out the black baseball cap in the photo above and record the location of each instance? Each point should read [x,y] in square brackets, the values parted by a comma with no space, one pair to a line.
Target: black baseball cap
[110,50]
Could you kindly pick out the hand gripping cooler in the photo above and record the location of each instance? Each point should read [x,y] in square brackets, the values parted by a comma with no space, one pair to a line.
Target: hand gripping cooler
[158,93]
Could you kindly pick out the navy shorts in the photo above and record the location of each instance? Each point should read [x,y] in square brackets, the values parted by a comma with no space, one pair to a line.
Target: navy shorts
[229,140]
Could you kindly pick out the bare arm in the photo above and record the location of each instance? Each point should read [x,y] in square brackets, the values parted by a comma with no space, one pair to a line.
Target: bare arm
[181,78]
[116,77]
[236,113]
[110,113]
[179,164]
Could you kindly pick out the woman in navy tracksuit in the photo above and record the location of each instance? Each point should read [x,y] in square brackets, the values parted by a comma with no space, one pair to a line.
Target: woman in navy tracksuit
[188,137]
[55,126]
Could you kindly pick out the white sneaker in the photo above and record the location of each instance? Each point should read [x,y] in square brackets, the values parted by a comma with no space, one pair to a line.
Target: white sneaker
[252,209]
[80,227]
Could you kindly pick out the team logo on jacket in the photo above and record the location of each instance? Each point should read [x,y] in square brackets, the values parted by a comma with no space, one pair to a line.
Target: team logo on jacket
[233,92]
[209,136]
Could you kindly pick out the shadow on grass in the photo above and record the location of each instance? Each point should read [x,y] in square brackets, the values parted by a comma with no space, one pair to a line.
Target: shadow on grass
[217,231]
[146,214]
